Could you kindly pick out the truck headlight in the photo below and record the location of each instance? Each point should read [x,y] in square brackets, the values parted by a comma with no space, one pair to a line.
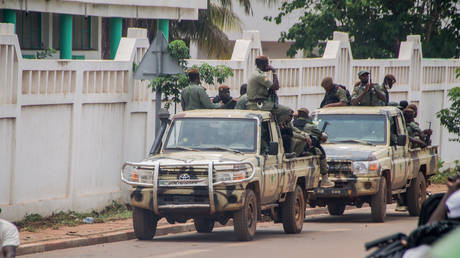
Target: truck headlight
[231,173]
[366,168]
[135,174]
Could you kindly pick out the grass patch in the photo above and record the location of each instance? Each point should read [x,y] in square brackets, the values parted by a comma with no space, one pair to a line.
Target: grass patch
[441,176]
[34,222]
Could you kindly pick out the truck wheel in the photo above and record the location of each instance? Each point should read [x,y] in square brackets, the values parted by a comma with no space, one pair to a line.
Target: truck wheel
[245,220]
[378,202]
[203,225]
[336,208]
[144,223]
[416,194]
[293,211]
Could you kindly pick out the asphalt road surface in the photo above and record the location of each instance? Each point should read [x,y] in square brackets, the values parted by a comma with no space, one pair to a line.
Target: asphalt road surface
[322,236]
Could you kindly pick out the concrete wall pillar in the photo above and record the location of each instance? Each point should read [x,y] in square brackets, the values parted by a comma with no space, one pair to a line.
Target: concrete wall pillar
[9,16]
[163,26]
[115,35]
[65,33]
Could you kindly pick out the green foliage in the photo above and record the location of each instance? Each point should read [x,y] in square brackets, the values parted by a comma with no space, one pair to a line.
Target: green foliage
[171,85]
[43,54]
[33,222]
[375,27]
[441,176]
[450,117]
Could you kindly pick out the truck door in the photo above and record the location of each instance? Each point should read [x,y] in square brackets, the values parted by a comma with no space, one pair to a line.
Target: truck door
[398,158]
[270,168]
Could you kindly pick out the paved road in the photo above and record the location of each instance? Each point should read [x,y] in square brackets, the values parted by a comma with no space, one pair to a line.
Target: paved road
[322,236]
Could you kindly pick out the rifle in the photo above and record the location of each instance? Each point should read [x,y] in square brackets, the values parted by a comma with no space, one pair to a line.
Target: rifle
[427,137]
[324,126]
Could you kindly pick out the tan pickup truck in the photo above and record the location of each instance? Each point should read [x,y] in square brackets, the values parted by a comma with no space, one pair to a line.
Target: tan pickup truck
[370,161]
[213,165]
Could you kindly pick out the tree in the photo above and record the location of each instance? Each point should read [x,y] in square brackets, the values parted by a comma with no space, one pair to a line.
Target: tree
[376,27]
[450,117]
[208,30]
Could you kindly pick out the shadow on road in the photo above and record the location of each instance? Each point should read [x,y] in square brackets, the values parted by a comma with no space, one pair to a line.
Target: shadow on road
[357,217]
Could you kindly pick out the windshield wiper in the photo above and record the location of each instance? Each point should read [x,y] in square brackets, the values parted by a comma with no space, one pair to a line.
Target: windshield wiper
[182,148]
[224,148]
[357,141]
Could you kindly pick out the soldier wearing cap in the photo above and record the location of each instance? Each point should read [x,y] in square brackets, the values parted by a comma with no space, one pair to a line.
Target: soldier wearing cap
[243,99]
[367,93]
[194,96]
[224,95]
[305,123]
[413,130]
[335,96]
[262,91]
[295,141]
[388,81]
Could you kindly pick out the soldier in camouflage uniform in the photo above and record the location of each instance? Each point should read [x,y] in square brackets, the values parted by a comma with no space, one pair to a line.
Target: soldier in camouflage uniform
[413,130]
[335,96]
[243,99]
[224,95]
[194,96]
[262,91]
[388,83]
[367,93]
[305,123]
[294,140]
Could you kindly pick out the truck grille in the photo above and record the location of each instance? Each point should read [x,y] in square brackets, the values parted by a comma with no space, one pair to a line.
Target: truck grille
[340,167]
[180,175]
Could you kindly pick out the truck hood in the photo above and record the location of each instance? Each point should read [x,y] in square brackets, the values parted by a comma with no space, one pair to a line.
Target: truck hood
[190,157]
[351,151]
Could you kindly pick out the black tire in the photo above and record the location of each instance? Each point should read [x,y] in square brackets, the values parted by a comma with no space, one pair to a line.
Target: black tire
[203,225]
[293,211]
[144,223]
[245,220]
[416,195]
[379,202]
[336,208]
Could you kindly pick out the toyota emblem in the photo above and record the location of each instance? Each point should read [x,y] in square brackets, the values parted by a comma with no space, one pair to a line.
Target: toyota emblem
[184,176]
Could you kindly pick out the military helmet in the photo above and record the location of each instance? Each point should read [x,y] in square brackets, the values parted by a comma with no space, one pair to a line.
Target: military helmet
[362,72]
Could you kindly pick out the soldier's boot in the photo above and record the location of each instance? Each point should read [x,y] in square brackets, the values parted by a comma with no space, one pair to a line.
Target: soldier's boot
[325,183]
[324,168]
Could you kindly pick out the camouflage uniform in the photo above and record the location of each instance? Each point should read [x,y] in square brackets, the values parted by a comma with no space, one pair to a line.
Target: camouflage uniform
[309,127]
[336,94]
[230,104]
[366,100]
[259,97]
[194,96]
[242,102]
[297,138]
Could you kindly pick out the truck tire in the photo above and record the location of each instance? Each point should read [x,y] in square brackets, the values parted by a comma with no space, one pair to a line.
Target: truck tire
[245,220]
[416,194]
[293,211]
[144,223]
[379,203]
[336,208]
[203,225]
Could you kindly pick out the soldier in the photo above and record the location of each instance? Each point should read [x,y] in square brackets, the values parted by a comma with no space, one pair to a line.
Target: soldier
[194,96]
[224,95]
[262,91]
[243,99]
[294,140]
[335,95]
[425,134]
[413,130]
[367,93]
[388,83]
[305,123]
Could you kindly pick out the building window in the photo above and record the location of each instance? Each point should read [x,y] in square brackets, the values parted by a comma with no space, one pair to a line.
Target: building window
[84,32]
[29,30]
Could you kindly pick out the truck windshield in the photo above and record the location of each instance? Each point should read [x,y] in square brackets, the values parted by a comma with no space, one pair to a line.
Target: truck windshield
[229,134]
[357,128]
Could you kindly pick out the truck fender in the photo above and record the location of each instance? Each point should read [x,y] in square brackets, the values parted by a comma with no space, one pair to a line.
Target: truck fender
[387,175]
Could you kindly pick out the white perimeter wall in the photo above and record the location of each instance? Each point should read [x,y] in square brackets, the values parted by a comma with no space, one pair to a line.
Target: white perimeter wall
[67,126]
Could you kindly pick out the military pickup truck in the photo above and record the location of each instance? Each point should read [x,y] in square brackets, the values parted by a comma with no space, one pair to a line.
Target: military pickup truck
[370,161]
[213,165]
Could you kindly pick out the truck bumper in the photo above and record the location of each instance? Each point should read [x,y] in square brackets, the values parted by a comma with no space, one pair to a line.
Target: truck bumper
[349,187]
[188,200]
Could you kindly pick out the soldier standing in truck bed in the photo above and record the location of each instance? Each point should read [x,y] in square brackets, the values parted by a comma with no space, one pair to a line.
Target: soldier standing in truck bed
[335,95]
[305,124]
[243,99]
[262,91]
[194,96]
[367,93]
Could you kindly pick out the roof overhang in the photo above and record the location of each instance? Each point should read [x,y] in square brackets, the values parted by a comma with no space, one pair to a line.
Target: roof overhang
[141,9]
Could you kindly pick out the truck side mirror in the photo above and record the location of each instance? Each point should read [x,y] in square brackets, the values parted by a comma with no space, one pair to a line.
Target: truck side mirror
[273,149]
[402,140]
